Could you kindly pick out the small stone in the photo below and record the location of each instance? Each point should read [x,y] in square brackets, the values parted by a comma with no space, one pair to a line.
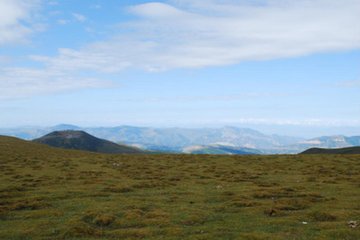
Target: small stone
[353,224]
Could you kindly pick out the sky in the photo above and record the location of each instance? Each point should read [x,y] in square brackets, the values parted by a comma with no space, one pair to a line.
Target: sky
[279,66]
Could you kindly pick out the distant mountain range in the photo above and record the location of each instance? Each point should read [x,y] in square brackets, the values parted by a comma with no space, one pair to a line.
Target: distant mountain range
[228,140]
[349,150]
[80,140]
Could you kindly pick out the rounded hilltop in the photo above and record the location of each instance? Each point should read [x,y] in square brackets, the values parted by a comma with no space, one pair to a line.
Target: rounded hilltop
[81,140]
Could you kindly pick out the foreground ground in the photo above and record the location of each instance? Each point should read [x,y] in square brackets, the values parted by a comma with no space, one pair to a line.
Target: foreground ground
[46,193]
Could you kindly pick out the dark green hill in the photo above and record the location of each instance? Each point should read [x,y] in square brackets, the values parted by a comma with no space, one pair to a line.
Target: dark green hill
[349,150]
[81,140]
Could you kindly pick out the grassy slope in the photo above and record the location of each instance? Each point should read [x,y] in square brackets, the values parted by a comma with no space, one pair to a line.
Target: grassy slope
[349,150]
[48,193]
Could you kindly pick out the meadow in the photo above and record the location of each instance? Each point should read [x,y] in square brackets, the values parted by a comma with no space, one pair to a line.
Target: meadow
[49,193]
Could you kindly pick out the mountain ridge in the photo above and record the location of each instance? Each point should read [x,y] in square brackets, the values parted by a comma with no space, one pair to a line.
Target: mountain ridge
[177,139]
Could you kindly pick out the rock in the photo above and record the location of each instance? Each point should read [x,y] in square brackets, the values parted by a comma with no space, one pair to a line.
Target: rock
[353,224]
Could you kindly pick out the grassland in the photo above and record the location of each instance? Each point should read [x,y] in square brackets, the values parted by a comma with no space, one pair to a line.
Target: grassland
[48,193]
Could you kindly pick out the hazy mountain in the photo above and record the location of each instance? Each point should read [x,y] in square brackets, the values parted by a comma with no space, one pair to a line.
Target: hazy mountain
[169,139]
[328,142]
[178,139]
[349,150]
[81,140]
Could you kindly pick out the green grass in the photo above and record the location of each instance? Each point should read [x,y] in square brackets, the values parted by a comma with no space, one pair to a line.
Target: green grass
[48,193]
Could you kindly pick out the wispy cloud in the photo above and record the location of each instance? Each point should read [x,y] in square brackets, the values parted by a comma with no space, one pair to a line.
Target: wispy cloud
[350,84]
[63,21]
[191,34]
[79,17]
[208,98]
[188,34]
[22,82]
[16,20]
[76,17]
[95,6]
[53,3]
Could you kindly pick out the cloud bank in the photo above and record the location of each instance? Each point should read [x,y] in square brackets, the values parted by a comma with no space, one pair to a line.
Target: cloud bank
[15,20]
[193,34]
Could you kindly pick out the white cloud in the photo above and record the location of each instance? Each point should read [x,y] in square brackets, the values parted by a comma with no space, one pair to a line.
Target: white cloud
[53,3]
[75,17]
[350,84]
[5,59]
[193,34]
[190,34]
[79,17]
[157,11]
[63,21]
[209,98]
[16,20]
[23,82]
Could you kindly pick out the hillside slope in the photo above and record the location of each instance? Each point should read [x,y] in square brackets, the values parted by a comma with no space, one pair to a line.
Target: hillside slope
[349,150]
[81,140]
[54,193]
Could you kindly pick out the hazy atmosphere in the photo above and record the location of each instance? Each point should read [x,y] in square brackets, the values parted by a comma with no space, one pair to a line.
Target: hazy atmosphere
[286,67]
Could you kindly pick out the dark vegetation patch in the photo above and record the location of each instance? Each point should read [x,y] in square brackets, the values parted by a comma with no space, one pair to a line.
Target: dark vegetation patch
[99,219]
[320,216]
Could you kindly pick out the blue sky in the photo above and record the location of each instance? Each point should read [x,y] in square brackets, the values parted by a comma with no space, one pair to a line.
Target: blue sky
[287,67]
